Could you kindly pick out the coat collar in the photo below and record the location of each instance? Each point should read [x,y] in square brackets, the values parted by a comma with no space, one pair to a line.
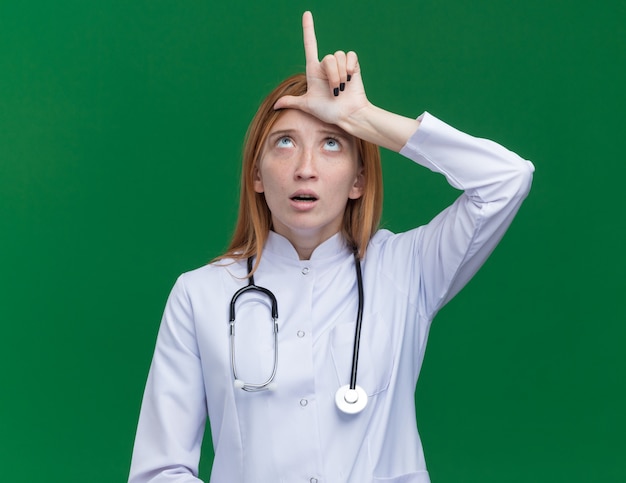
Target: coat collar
[278,246]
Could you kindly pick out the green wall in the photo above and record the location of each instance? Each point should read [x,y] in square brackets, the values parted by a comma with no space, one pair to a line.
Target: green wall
[121,124]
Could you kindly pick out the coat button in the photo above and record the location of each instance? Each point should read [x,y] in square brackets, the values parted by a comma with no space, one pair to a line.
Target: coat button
[305,270]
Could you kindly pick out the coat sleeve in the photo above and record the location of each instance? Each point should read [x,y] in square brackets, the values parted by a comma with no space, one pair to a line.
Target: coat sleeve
[453,246]
[173,411]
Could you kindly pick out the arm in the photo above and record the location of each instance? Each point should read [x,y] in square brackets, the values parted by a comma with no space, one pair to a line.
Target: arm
[454,245]
[173,411]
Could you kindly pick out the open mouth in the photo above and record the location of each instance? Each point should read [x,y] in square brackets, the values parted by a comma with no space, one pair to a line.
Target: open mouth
[304,198]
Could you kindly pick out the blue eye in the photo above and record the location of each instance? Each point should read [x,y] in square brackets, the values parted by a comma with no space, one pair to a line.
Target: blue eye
[284,142]
[332,144]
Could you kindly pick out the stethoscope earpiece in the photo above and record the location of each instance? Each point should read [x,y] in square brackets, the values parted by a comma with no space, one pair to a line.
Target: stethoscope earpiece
[350,401]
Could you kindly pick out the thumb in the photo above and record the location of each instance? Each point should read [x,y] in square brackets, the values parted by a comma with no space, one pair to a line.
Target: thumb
[289,102]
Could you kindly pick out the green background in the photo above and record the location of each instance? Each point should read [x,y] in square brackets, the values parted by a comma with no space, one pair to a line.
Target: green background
[121,126]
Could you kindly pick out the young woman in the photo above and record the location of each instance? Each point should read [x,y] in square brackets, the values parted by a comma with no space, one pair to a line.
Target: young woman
[303,343]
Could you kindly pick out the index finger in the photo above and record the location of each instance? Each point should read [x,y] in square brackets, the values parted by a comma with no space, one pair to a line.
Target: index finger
[310,42]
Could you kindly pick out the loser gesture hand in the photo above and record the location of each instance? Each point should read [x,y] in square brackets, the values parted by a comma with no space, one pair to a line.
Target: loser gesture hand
[334,86]
[335,94]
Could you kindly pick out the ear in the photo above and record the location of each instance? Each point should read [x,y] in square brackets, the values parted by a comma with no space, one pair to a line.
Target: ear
[257,181]
[359,185]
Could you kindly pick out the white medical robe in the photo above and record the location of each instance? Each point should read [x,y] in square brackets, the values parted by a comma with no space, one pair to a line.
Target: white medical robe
[295,433]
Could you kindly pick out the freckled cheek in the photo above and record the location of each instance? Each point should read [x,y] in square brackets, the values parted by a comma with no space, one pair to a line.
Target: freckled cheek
[274,181]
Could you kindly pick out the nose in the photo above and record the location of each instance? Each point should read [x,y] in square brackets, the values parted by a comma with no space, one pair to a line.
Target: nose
[306,167]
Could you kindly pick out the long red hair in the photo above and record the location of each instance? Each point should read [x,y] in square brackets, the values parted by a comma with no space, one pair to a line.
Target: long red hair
[361,217]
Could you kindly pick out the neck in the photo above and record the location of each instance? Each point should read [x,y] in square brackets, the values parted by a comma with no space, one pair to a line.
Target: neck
[305,244]
[305,247]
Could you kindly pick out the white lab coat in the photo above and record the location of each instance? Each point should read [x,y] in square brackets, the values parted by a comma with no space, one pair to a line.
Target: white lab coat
[295,433]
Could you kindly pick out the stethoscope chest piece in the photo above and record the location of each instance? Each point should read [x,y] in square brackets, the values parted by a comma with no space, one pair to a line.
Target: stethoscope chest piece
[350,401]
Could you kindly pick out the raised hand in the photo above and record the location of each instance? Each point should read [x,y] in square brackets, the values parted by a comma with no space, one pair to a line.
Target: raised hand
[334,86]
[335,94]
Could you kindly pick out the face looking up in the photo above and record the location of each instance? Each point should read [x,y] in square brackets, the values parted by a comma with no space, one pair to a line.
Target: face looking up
[308,170]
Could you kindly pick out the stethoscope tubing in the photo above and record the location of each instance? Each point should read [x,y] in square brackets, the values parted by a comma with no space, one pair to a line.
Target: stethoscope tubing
[359,322]
[246,386]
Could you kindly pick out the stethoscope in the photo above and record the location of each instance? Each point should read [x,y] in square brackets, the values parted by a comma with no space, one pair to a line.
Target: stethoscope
[350,398]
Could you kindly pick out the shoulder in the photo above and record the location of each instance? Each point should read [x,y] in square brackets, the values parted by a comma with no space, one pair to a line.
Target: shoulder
[211,276]
[387,242]
[395,255]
